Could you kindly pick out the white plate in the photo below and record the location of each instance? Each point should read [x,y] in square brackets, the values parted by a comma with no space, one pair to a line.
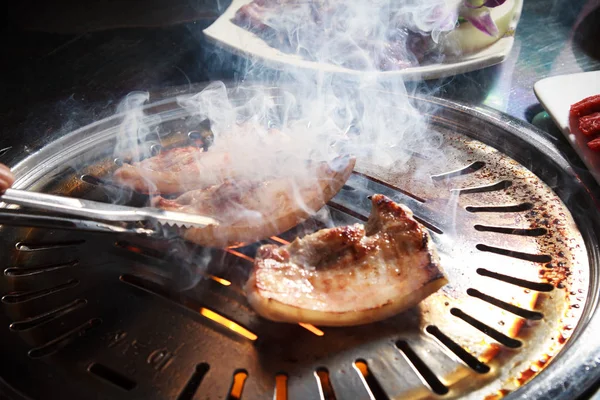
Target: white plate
[242,42]
[557,94]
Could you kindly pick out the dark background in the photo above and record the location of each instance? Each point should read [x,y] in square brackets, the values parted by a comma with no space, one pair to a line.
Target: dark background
[67,63]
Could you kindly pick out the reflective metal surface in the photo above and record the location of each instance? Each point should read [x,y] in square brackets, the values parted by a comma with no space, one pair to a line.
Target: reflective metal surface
[120,317]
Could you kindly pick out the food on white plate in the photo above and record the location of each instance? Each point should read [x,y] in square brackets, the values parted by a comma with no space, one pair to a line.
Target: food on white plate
[251,210]
[349,275]
[380,35]
[584,119]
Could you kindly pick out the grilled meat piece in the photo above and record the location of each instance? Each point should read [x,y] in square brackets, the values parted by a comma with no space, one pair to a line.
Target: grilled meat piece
[175,171]
[348,275]
[253,210]
[270,153]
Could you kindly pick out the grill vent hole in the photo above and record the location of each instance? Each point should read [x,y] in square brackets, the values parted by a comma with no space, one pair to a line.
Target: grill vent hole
[458,350]
[193,384]
[348,211]
[140,250]
[429,225]
[41,319]
[111,376]
[502,185]
[469,169]
[281,387]
[155,149]
[512,231]
[521,312]
[312,329]
[501,209]
[176,297]
[418,155]
[26,296]
[491,332]
[370,381]
[382,183]
[237,386]
[325,386]
[540,287]
[38,270]
[220,280]
[202,137]
[28,246]
[195,135]
[434,383]
[94,180]
[227,323]
[63,340]
[539,258]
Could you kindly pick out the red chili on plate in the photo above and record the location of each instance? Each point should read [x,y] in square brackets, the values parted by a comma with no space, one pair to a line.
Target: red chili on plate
[586,106]
[590,124]
[594,144]
[584,119]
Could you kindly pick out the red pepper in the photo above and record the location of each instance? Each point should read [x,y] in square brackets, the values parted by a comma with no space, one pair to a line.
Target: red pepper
[586,106]
[594,144]
[590,124]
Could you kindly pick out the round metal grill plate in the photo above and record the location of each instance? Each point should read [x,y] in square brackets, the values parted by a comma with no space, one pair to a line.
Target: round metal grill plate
[117,317]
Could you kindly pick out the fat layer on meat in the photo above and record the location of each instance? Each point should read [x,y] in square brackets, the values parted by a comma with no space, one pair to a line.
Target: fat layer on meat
[348,275]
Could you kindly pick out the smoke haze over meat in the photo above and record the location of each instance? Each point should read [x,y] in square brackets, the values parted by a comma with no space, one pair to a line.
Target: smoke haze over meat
[289,117]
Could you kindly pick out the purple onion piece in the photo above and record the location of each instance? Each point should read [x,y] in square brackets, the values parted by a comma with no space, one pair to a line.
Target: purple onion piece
[494,3]
[482,20]
[486,3]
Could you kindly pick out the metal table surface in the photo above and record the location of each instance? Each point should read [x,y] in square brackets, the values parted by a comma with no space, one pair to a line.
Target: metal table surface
[67,64]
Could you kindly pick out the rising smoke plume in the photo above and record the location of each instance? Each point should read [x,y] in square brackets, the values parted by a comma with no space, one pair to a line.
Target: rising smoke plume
[288,117]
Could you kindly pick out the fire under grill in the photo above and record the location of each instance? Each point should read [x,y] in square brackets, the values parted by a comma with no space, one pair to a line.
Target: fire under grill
[113,315]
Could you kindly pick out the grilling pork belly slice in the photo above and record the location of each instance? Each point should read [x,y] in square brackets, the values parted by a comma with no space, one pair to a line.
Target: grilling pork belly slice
[350,275]
[176,170]
[249,211]
[182,169]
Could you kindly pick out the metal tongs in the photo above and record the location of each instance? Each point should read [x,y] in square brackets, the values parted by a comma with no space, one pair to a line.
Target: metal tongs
[93,210]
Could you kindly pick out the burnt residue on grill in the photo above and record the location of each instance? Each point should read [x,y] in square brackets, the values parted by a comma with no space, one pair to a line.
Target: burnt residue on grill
[517,211]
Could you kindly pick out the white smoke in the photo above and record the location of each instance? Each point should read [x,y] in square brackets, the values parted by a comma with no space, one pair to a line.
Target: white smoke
[358,34]
[272,123]
[137,131]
